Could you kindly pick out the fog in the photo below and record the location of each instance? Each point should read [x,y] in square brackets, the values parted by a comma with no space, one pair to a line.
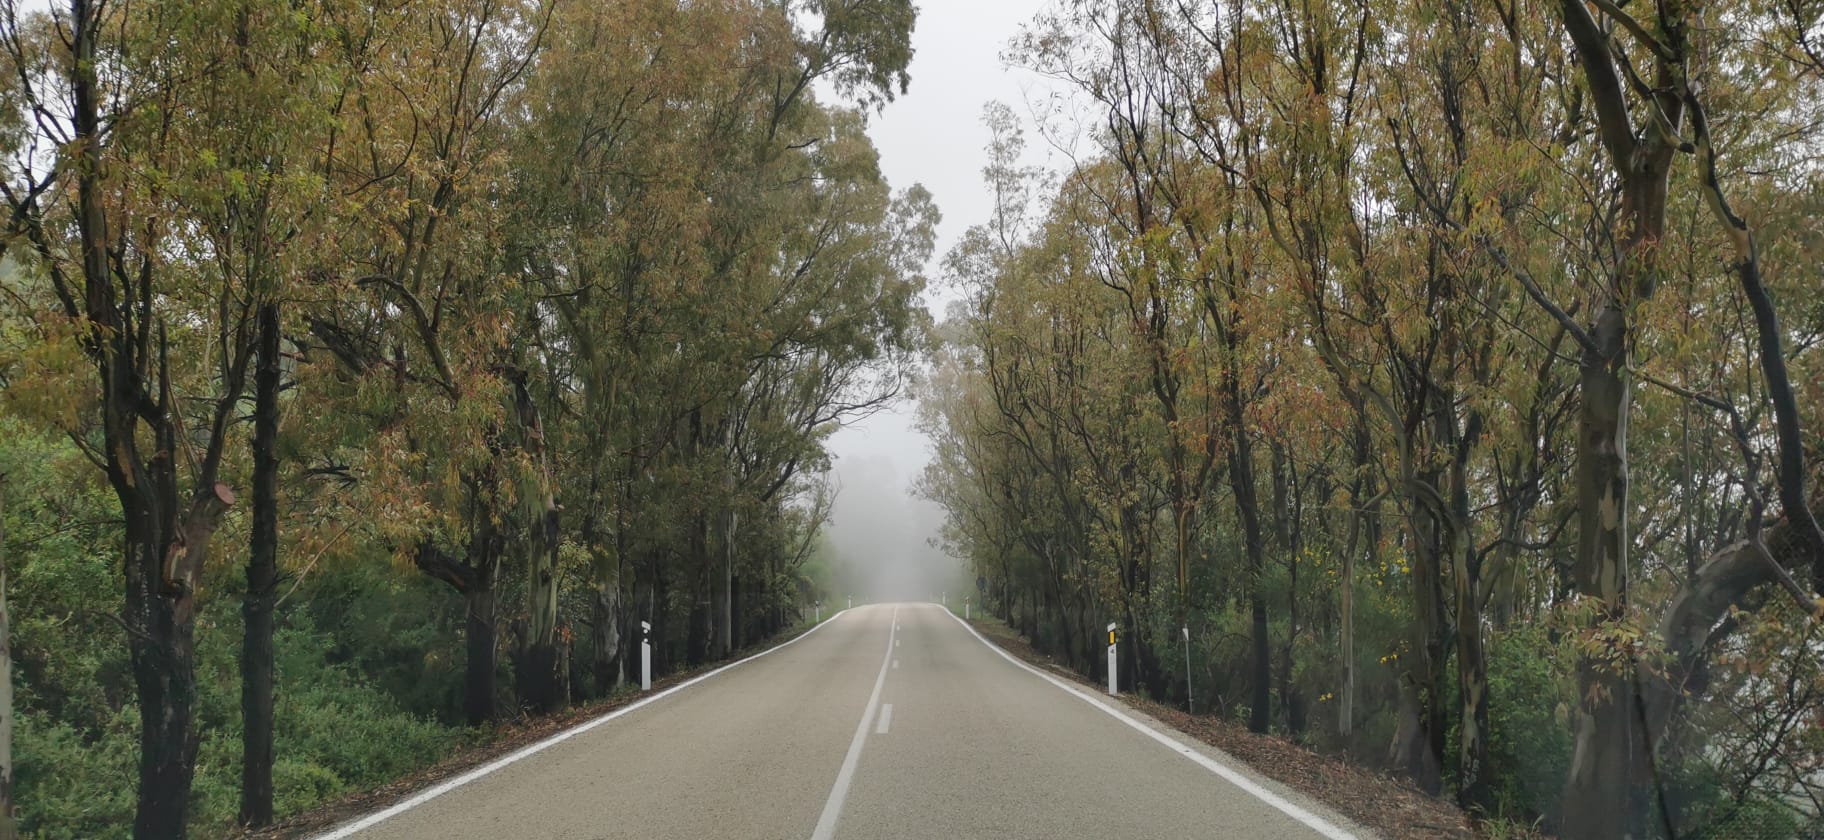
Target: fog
[932,136]
[881,534]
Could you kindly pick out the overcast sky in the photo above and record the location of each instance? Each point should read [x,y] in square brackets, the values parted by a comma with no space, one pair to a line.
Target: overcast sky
[933,136]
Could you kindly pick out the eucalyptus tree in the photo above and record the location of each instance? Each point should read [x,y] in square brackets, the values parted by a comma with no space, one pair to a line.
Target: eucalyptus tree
[1349,255]
[156,196]
[1649,81]
[412,333]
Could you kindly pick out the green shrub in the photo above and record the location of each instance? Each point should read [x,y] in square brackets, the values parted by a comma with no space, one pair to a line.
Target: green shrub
[334,731]
[72,784]
[1529,745]
[76,741]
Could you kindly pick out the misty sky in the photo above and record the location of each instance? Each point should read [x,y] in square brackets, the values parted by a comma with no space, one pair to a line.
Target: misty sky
[933,136]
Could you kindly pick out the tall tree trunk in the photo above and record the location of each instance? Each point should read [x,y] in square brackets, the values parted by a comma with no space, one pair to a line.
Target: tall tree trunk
[262,577]
[606,626]
[1288,545]
[474,579]
[1241,482]
[540,672]
[158,568]
[1605,794]
[1361,530]
[478,686]
[1473,791]
[642,610]
[659,607]
[739,613]
[482,634]
[696,640]
[9,830]
[1419,753]
[1429,672]
[722,638]
[161,582]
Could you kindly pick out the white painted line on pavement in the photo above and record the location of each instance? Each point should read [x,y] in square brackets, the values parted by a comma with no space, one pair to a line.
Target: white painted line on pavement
[895,663]
[832,807]
[1312,821]
[431,793]
[886,719]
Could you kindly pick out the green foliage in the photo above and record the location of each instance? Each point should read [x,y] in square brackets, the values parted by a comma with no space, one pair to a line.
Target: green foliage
[356,696]
[336,729]
[571,298]
[1704,807]
[398,630]
[75,783]
[336,732]
[1529,744]
[1280,319]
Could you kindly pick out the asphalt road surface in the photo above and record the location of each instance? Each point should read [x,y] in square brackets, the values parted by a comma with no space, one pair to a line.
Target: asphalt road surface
[889,721]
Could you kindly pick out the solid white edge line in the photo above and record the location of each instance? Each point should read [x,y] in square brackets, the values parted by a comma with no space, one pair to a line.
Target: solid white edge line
[832,807]
[440,789]
[1312,821]
[886,719]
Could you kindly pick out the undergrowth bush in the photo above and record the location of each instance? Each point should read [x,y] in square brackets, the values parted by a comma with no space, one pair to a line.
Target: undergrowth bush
[1529,741]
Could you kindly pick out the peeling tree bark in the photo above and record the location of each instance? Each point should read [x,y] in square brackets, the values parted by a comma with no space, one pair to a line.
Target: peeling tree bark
[1473,791]
[1605,795]
[539,673]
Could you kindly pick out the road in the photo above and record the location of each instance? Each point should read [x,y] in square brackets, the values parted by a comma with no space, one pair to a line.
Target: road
[889,721]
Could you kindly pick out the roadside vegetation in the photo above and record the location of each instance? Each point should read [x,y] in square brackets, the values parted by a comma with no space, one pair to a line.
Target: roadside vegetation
[1433,384]
[370,371]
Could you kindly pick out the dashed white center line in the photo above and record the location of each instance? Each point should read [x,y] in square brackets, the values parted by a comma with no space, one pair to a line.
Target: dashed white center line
[886,719]
[832,807]
[896,663]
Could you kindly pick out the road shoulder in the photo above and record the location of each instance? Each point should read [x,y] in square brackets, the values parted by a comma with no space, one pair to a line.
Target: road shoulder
[1371,803]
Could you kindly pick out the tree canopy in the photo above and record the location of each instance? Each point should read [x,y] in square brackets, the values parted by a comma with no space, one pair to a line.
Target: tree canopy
[1431,379]
[533,317]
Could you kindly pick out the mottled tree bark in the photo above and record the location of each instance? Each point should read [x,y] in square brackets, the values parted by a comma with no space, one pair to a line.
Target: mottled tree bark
[1473,791]
[1605,795]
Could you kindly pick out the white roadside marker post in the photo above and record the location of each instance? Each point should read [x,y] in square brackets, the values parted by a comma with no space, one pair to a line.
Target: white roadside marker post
[645,656]
[851,602]
[1111,659]
[1187,670]
[819,613]
[965,609]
